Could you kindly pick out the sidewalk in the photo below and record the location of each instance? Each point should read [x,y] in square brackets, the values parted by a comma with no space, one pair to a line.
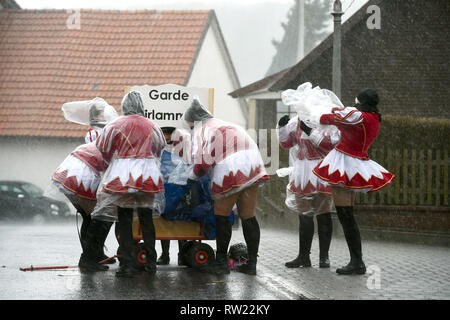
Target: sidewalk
[403,271]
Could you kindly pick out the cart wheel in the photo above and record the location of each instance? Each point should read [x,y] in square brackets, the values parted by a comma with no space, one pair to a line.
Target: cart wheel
[199,254]
[141,254]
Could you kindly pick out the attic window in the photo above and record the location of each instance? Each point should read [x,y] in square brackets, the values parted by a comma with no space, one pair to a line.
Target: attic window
[95,87]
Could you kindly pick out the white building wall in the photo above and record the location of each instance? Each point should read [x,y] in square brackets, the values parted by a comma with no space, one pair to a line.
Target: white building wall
[33,159]
[210,71]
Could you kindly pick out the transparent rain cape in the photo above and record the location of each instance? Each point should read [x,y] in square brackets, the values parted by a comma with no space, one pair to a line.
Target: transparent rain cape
[223,150]
[310,103]
[78,111]
[132,145]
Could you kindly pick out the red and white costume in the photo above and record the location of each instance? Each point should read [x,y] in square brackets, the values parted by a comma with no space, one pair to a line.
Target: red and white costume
[310,150]
[132,144]
[80,173]
[229,155]
[92,135]
[348,165]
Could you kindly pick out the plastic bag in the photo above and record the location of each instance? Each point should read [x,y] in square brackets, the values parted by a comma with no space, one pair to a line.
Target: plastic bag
[175,172]
[310,103]
[81,111]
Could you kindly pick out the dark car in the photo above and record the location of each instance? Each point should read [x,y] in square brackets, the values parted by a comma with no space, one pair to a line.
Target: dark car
[24,200]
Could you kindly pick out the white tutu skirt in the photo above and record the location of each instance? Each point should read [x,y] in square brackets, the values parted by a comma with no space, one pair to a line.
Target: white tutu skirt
[237,172]
[303,182]
[73,176]
[311,205]
[133,175]
[340,169]
[130,183]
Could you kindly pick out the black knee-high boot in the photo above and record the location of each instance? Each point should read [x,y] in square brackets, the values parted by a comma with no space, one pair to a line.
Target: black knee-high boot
[353,238]
[223,237]
[164,259]
[89,258]
[181,244]
[149,236]
[103,230]
[305,237]
[325,231]
[128,266]
[84,226]
[250,228]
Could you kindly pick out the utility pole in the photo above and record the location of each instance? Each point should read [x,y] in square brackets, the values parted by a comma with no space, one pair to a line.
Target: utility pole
[336,78]
[301,30]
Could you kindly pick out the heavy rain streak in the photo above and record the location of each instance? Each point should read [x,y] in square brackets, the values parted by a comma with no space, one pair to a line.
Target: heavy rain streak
[224,155]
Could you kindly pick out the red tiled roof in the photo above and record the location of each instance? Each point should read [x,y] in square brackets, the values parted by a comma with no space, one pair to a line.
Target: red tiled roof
[44,64]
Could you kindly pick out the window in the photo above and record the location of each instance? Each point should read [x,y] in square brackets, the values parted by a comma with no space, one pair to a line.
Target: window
[32,190]
[283,110]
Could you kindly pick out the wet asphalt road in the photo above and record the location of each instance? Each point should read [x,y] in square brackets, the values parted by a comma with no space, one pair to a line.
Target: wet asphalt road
[52,244]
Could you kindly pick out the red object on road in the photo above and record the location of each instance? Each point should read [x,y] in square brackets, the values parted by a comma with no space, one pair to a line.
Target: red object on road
[46,268]
[31,268]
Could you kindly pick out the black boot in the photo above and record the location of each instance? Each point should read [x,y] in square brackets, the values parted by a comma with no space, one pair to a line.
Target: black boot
[223,237]
[181,243]
[250,228]
[325,231]
[103,230]
[353,238]
[149,236]
[164,259]
[88,261]
[305,234]
[84,227]
[128,266]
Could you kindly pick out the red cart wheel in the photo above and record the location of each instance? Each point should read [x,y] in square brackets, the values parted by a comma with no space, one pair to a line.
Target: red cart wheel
[199,254]
[141,255]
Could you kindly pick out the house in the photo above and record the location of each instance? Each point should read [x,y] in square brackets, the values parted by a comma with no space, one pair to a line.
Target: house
[405,60]
[9,4]
[49,57]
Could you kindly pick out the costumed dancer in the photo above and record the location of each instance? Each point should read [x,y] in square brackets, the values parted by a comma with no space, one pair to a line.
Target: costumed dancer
[348,168]
[232,159]
[78,177]
[132,145]
[96,122]
[178,143]
[306,194]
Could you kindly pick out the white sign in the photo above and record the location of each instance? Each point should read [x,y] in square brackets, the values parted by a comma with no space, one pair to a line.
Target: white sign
[166,104]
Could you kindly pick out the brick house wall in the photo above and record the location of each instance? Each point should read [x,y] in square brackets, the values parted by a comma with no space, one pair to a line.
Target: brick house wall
[406,60]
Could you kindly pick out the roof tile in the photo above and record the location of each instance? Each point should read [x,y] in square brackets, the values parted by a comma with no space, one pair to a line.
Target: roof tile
[44,64]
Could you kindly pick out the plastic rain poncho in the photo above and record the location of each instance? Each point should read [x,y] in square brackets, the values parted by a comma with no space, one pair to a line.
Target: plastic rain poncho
[95,113]
[80,173]
[224,151]
[311,103]
[305,192]
[132,144]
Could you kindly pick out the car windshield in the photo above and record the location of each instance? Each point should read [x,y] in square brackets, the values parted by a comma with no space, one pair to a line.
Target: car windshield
[33,190]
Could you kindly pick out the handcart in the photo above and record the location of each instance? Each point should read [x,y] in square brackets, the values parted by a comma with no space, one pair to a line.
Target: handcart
[194,253]
[180,223]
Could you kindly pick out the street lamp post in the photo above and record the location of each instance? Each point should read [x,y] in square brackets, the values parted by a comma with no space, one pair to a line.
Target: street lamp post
[336,78]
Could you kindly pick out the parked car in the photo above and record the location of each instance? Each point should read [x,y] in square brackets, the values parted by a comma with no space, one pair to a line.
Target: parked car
[24,200]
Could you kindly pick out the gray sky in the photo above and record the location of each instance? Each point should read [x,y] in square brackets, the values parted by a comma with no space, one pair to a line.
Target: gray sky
[248,25]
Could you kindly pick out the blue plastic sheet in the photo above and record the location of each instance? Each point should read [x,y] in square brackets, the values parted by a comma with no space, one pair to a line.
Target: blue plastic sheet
[174,171]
